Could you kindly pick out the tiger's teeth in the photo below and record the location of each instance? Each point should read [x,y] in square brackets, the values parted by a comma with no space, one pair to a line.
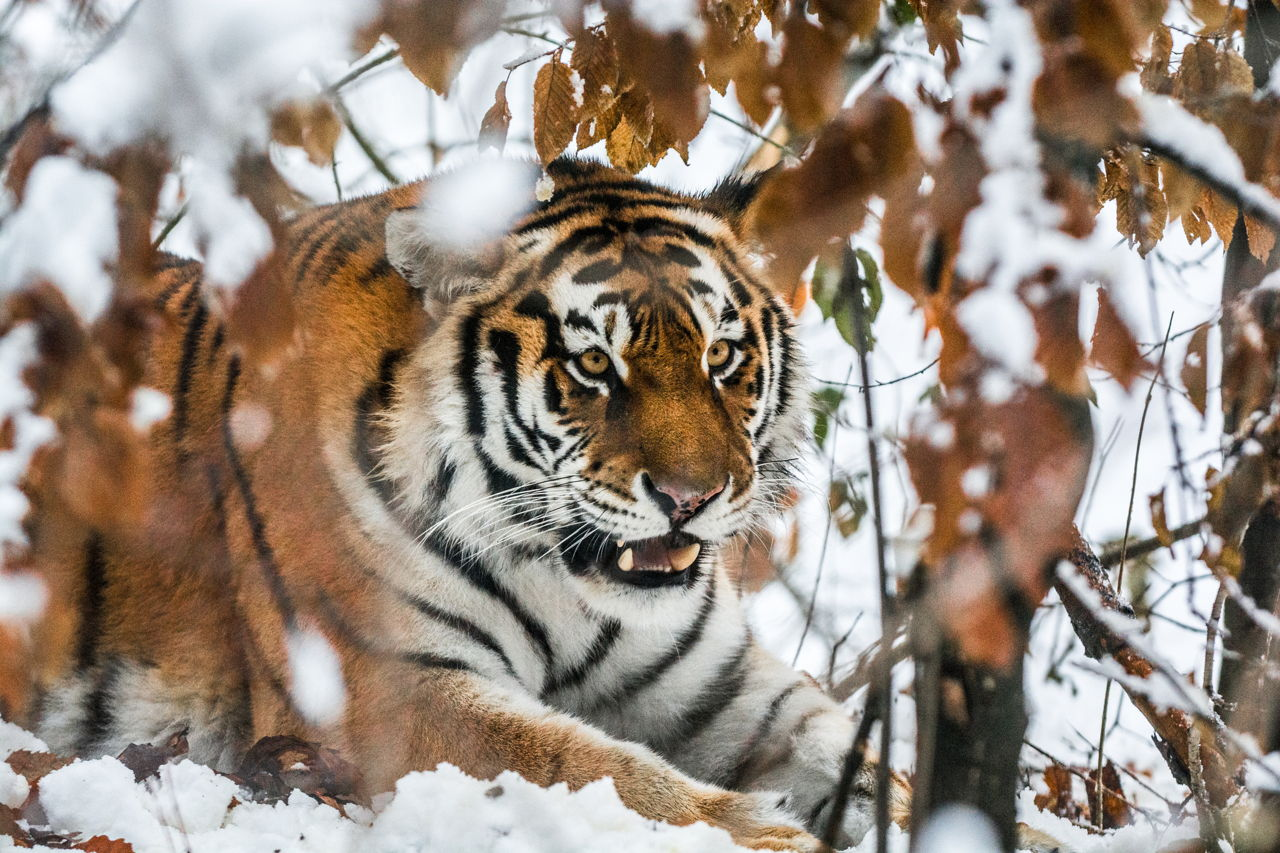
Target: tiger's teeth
[683,559]
[626,560]
[619,543]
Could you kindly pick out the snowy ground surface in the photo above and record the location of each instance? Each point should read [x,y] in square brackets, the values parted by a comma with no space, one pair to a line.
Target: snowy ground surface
[188,807]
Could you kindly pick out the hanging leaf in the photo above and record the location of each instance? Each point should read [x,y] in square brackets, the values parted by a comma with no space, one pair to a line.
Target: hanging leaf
[627,150]
[1159,520]
[826,405]
[594,59]
[847,502]
[312,125]
[809,73]
[555,108]
[1195,369]
[1113,346]
[496,121]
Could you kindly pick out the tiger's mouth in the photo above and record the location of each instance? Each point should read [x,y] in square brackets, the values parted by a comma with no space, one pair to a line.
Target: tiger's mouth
[661,561]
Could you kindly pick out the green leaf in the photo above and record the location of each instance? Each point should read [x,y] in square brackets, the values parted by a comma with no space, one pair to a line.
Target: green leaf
[859,286]
[847,501]
[903,12]
[826,403]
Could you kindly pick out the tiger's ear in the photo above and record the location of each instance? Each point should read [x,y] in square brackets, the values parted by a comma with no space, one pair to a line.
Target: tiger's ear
[734,199]
[454,240]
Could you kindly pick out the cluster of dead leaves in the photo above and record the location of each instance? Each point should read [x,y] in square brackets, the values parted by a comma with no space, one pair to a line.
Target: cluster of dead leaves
[1060,799]
[644,93]
[270,771]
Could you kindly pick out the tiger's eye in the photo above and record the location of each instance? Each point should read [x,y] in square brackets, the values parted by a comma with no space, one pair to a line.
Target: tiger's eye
[719,353]
[594,362]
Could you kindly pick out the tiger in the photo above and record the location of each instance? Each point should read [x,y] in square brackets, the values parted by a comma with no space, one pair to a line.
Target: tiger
[493,480]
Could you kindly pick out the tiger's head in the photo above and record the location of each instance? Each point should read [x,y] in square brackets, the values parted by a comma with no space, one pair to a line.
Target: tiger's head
[610,381]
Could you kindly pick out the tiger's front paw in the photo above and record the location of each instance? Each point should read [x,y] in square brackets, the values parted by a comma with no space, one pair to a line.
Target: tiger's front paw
[757,821]
[860,810]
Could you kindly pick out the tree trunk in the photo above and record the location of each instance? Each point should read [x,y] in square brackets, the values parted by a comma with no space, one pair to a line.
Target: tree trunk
[1250,655]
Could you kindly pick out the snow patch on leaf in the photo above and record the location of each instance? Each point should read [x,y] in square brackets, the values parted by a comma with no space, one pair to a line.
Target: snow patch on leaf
[65,232]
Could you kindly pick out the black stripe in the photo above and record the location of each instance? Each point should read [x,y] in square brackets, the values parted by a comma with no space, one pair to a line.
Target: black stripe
[99,714]
[761,732]
[680,255]
[468,369]
[92,599]
[683,644]
[481,578]
[604,641]
[162,299]
[715,698]
[570,244]
[464,626]
[186,366]
[375,397]
[257,527]
[597,272]
[430,661]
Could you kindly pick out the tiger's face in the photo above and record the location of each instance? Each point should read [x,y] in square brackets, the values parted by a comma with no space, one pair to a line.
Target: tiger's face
[627,384]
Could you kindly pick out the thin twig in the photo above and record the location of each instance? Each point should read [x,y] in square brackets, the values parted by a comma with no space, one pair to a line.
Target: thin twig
[826,537]
[1136,550]
[882,685]
[169,226]
[911,375]
[360,70]
[365,145]
[1211,639]
[1124,552]
[743,126]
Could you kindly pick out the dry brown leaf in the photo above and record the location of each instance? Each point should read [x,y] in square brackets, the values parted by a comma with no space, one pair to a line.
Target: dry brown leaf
[1076,98]
[863,151]
[1155,74]
[34,766]
[1221,214]
[596,128]
[942,28]
[666,67]
[1262,239]
[275,766]
[594,59]
[1115,810]
[496,121]
[1113,346]
[312,125]
[1195,369]
[858,16]
[103,844]
[1059,349]
[1141,208]
[809,72]
[625,148]
[145,759]
[555,109]
[434,35]
[1159,520]
[1059,800]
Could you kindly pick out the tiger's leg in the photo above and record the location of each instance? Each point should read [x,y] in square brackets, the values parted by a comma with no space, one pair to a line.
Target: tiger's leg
[397,722]
[780,732]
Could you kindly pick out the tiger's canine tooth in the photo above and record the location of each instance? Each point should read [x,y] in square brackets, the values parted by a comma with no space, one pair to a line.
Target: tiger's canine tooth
[626,560]
[683,558]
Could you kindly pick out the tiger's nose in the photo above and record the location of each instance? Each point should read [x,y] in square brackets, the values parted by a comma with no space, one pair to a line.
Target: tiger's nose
[679,501]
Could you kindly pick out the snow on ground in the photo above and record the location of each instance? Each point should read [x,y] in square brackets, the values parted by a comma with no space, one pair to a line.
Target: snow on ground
[189,807]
